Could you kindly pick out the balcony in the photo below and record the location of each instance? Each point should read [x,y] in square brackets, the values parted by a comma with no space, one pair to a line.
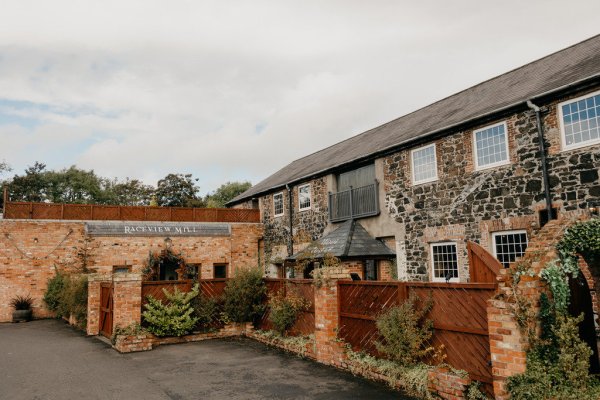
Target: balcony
[354,203]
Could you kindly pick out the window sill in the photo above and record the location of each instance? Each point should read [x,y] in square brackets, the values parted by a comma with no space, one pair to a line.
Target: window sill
[491,166]
[566,148]
[425,182]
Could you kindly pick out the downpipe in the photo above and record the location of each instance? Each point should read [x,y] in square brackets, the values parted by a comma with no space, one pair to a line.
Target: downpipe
[545,178]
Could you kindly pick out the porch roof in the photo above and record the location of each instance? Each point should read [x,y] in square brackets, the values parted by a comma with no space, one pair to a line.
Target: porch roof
[350,239]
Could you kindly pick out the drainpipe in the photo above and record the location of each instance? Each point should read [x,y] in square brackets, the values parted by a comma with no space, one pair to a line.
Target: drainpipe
[545,178]
[291,212]
[291,216]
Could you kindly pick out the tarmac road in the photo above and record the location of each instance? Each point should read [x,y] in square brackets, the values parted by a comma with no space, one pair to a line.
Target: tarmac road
[48,359]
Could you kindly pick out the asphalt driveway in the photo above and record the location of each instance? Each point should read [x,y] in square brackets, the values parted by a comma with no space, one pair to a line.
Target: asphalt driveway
[49,360]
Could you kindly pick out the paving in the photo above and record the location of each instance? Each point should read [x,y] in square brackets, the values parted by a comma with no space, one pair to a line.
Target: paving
[48,359]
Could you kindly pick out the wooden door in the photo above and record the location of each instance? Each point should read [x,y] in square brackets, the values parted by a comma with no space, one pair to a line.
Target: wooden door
[106,309]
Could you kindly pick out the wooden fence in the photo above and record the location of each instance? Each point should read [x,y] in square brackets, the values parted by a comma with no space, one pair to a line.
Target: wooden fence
[212,287]
[459,317]
[305,323]
[155,289]
[91,212]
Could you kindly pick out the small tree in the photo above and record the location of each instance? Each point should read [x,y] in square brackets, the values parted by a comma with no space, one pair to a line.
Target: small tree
[406,332]
[206,309]
[244,295]
[284,309]
[174,317]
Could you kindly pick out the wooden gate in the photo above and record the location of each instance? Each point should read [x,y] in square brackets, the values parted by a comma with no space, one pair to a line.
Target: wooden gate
[483,266]
[106,309]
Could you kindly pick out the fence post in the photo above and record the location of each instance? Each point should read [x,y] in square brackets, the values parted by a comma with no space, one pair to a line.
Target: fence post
[402,292]
[127,299]
[328,349]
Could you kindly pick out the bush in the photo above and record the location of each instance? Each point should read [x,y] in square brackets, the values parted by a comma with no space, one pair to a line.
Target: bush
[406,332]
[67,296]
[206,310]
[557,368]
[284,309]
[174,317]
[73,299]
[54,290]
[244,296]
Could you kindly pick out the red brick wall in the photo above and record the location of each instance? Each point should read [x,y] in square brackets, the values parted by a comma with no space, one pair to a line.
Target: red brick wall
[31,250]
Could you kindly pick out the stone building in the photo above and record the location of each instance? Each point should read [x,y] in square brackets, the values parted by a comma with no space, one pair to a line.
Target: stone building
[490,164]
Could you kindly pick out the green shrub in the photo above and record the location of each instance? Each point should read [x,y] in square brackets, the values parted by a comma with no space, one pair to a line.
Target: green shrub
[284,309]
[56,285]
[406,332]
[73,299]
[67,296]
[557,367]
[244,296]
[206,310]
[174,317]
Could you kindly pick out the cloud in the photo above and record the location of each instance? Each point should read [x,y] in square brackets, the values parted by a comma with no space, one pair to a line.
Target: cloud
[236,90]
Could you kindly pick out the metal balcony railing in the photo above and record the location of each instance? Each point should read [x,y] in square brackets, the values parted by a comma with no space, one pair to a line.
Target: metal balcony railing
[354,203]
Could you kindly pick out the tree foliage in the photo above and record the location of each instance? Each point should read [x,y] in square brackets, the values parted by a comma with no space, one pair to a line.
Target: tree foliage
[244,295]
[76,185]
[177,190]
[226,192]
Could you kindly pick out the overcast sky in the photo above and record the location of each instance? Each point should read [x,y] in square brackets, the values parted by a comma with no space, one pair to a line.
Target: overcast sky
[234,90]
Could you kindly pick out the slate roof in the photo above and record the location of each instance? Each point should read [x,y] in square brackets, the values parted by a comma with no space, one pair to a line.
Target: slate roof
[554,72]
[350,239]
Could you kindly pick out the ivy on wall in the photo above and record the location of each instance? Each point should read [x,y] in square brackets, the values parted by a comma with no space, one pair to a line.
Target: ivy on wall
[558,360]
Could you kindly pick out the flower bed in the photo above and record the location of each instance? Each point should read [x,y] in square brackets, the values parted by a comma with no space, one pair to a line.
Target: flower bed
[143,341]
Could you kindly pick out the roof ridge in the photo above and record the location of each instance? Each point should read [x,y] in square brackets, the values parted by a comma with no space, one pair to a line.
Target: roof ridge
[445,98]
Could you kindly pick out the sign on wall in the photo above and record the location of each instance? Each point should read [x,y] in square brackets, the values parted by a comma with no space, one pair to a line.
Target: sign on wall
[117,228]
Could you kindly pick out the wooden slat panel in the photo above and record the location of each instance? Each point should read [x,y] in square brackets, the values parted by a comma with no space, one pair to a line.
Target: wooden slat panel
[459,314]
[106,213]
[17,210]
[26,210]
[45,211]
[305,323]
[213,287]
[155,289]
[77,212]
[157,214]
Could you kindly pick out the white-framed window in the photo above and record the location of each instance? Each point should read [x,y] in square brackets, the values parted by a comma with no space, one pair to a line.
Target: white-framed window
[304,197]
[509,245]
[278,204]
[424,164]
[444,262]
[491,146]
[580,121]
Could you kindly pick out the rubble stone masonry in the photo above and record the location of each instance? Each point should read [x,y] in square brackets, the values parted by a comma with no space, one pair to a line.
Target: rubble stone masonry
[469,204]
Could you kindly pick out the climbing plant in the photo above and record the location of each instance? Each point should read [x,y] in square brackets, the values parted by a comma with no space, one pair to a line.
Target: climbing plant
[155,259]
[558,360]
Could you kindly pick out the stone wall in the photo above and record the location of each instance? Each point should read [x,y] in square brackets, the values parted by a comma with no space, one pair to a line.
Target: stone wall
[31,252]
[468,204]
[307,224]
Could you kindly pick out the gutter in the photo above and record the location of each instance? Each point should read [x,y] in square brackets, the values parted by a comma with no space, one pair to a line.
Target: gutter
[545,178]
[422,137]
